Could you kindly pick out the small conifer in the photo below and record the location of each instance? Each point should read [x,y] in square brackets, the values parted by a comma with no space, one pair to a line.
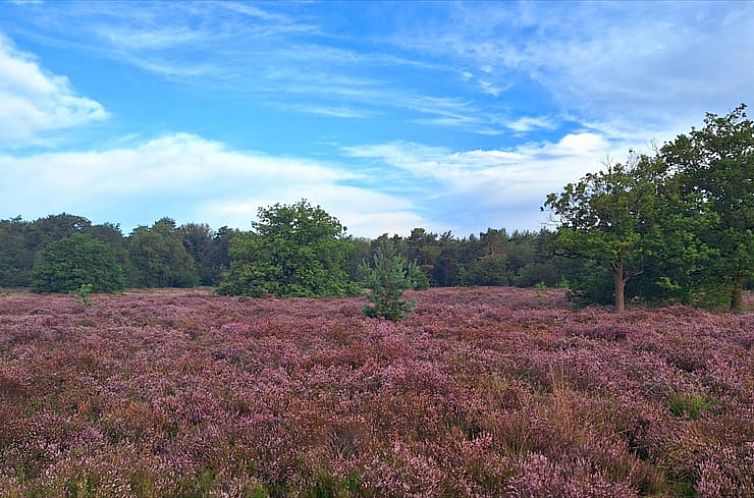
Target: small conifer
[386,280]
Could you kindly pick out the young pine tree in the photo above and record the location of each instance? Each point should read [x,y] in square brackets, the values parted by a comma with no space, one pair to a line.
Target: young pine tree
[387,279]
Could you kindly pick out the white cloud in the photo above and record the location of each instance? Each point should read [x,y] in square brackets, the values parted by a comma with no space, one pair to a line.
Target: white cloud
[501,187]
[193,179]
[154,39]
[364,212]
[275,54]
[329,111]
[34,102]
[527,123]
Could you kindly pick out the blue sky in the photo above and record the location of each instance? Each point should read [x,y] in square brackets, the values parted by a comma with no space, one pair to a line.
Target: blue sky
[449,116]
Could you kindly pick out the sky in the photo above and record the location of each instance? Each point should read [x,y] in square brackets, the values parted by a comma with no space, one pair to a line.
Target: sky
[448,116]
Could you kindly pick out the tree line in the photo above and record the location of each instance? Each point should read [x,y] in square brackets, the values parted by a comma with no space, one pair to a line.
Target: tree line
[293,250]
[676,225]
[60,252]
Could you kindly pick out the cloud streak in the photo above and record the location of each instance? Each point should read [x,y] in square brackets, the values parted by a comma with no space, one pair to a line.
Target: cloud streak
[244,49]
[612,65]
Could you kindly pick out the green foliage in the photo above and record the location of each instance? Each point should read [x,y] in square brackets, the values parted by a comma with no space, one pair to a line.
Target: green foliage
[487,271]
[606,216]
[693,406]
[331,486]
[295,250]
[446,272]
[540,288]
[77,261]
[421,280]
[159,259]
[357,250]
[534,273]
[386,280]
[209,250]
[589,282]
[715,165]
[55,227]
[84,292]
[16,259]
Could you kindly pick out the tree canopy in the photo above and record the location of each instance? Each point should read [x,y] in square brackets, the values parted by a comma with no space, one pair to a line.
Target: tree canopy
[294,250]
[158,257]
[716,165]
[68,264]
[607,215]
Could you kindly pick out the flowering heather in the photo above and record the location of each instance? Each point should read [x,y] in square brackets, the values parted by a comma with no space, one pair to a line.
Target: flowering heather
[480,392]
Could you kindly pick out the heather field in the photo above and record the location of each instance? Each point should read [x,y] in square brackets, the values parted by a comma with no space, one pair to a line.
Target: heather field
[480,392]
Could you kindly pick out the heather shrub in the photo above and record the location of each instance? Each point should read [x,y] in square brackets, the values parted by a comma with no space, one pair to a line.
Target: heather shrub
[726,471]
[386,280]
[482,393]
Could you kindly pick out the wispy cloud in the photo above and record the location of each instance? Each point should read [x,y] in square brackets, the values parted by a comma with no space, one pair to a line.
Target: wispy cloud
[249,49]
[526,124]
[609,64]
[331,111]
[150,39]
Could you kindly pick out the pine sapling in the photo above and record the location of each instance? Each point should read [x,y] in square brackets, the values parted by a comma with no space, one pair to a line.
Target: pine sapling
[386,280]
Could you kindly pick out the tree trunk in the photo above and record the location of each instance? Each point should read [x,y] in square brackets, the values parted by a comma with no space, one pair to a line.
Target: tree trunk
[620,286]
[737,297]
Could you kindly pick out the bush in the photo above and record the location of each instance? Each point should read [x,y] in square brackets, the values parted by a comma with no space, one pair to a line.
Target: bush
[76,262]
[534,273]
[386,280]
[295,250]
[421,280]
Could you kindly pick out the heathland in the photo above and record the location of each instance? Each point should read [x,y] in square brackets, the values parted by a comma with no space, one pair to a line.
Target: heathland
[479,392]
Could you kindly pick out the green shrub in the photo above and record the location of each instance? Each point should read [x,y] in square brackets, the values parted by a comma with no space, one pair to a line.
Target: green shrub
[534,273]
[421,279]
[540,288]
[487,271]
[296,250]
[84,292]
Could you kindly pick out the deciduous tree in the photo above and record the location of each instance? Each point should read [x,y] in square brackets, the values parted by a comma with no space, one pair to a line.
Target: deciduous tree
[607,215]
[716,166]
[79,260]
[294,250]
